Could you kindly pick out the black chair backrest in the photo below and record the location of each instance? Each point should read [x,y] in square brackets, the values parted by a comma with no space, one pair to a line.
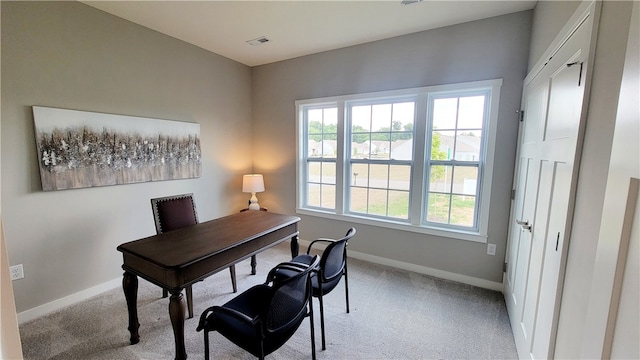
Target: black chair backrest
[290,297]
[174,212]
[333,257]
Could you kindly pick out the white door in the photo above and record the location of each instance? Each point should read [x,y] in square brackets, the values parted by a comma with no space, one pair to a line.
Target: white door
[549,146]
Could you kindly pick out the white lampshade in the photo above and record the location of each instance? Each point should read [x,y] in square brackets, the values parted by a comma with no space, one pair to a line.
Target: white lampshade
[252,183]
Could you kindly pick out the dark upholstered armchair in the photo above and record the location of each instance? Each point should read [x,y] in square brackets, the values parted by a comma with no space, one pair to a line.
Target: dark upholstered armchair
[262,319]
[175,212]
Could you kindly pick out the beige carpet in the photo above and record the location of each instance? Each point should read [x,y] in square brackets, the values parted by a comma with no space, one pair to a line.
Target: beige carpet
[395,314]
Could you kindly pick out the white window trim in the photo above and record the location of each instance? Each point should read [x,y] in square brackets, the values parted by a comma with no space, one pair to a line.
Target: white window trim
[419,161]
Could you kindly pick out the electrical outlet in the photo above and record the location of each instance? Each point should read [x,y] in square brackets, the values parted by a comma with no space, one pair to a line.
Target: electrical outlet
[491,249]
[16,271]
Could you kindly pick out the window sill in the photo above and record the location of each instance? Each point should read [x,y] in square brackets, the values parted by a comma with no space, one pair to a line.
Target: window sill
[449,233]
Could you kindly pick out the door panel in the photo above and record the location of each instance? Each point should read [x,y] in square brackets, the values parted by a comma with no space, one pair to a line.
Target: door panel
[521,251]
[527,177]
[536,256]
[535,107]
[562,121]
[553,249]
[545,184]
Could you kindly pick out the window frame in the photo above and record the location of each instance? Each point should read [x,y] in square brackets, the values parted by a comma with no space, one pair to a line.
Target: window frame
[321,159]
[421,152]
[350,161]
[478,164]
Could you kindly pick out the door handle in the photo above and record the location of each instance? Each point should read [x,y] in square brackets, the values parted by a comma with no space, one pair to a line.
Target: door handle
[524,224]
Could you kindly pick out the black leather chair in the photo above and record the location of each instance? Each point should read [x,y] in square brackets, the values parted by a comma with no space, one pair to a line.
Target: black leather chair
[262,319]
[175,212]
[332,267]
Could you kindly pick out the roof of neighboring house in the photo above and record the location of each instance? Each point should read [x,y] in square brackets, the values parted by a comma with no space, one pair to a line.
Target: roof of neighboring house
[465,143]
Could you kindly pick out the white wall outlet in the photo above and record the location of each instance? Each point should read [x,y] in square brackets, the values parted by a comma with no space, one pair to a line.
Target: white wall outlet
[16,271]
[491,249]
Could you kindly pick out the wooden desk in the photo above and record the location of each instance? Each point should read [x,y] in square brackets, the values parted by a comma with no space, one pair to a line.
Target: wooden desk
[182,257]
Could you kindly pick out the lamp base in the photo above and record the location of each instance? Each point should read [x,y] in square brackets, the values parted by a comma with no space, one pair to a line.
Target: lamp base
[253,203]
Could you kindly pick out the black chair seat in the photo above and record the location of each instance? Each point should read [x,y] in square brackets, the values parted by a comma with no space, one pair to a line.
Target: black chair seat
[262,319]
[250,303]
[327,286]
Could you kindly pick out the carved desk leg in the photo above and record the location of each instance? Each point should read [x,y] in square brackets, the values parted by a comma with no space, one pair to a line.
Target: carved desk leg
[130,287]
[177,309]
[294,246]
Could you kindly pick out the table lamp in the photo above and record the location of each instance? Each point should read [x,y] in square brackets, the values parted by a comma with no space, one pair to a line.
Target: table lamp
[253,183]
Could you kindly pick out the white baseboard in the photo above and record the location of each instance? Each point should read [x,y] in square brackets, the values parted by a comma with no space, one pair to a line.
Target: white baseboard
[55,305]
[50,307]
[469,280]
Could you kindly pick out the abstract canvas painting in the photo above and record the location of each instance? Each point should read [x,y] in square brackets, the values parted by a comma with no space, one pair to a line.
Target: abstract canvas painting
[78,149]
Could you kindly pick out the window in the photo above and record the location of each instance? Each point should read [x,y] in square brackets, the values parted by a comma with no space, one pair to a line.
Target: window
[415,159]
[380,157]
[321,141]
[454,163]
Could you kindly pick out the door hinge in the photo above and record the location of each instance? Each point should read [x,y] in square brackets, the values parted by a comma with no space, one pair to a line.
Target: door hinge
[520,115]
[513,194]
[504,267]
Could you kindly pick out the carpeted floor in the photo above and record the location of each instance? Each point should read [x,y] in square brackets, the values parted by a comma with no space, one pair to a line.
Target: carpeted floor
[395,314]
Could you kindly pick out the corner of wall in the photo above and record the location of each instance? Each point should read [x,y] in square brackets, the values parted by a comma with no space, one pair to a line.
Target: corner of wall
[10,344]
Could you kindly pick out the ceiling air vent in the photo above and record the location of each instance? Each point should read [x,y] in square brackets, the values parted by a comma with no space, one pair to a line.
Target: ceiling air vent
[258,41]
[409,2]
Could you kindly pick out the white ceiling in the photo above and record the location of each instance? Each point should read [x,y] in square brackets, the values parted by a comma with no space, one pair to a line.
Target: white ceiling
[297,28]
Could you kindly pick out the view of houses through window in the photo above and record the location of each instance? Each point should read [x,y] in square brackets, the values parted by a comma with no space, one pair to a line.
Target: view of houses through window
[456,134]
[380,158]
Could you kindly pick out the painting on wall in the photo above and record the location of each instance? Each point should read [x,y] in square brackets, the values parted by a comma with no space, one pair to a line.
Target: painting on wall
[79,149]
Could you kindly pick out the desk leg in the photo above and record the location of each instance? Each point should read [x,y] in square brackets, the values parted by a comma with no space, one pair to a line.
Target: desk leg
[130,287]
[177,309]
[253,264]
[294,246]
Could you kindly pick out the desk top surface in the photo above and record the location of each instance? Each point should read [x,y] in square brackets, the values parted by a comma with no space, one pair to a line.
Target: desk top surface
[193,243]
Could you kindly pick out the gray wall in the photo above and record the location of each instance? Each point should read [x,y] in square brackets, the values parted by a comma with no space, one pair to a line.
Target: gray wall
[69,55]
[548,19]
[486,49]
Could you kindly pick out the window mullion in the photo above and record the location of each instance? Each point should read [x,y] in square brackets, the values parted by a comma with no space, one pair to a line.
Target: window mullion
[418,181]
[342,179]
[301,163]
